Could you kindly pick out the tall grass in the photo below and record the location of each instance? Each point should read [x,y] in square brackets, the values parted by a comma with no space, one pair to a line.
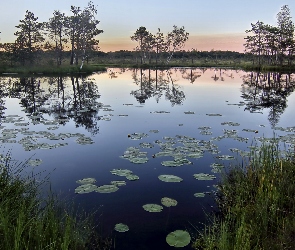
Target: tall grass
[257,206]
[28,221]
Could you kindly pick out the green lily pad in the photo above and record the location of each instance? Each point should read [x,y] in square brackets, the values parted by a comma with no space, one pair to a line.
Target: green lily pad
[132,177]
[107,189]
[225,157]
[214,114]
[35,162]
[138,160]
[171,163]
[152,208]
[121,172]
[118,183]
[85,188]
[84,140]
[154,131]
[169,178]
[86,181]
[204,177]
[168,202]
[178,238]
[146,145]
[121,228]
[199,195]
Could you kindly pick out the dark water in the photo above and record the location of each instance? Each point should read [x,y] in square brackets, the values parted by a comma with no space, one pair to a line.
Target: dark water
[95,106]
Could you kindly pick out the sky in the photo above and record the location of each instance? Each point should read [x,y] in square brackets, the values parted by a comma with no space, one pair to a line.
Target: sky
[212,24]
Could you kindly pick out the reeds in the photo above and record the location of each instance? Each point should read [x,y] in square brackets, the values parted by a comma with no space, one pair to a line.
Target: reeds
[257,205]
[28,221]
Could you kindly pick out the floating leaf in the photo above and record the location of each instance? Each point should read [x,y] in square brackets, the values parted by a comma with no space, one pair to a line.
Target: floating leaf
[204,177]
[160,112]
[178,238]
[250,130]
[138,160]
[35,162]
[132,177]
[204,127]
[84,140]
[199,195]
[154,131]
[152,208]
[85,188]
[225,157]
[118,183]
[214,114]
[107,189]
[121,172]
[137,136]
[169,178]
[168,202]
[86,181]
[171,163]
[121,228]
[146,145]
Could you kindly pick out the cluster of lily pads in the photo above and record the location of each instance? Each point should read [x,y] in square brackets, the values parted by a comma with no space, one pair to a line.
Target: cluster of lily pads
[31,139]
[87,186]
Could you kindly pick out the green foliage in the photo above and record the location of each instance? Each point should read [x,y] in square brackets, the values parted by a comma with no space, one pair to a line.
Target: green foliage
[272,45]
[29,222]
[257,206]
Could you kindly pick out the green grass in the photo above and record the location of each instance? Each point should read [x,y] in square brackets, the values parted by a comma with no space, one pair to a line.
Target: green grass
[257,206]
[53,70]
[29,222]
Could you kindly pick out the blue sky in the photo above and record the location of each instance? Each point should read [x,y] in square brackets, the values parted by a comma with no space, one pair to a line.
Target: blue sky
[212,24]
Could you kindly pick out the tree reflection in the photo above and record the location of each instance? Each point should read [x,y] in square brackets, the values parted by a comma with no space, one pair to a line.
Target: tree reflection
[63,98]
[267,90]
[156,83]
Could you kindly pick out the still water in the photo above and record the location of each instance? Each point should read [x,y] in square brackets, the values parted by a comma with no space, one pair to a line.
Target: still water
[178,122]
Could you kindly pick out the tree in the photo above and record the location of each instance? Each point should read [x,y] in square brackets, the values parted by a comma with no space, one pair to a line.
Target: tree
[159,43]
[142,36]
[29,37]
[255,42]
[56,32]
[286,33]
[175,40]
[82,31]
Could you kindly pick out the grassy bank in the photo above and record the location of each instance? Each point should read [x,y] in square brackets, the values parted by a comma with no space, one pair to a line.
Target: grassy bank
[53,70]
[30,222]
[257,206]
[103,64]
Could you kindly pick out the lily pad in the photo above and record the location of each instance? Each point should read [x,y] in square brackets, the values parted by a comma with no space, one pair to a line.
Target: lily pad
[86,181]
[132,177]
[178,238]
[107,189]
[225,157]
[121,228]
[169,178]
[152,208]
[121,172]
[138,160]
[85,188]
[211,114]
[199,195]
[204,177]
[118,183]
[171,163]
[168,202]
[35,162]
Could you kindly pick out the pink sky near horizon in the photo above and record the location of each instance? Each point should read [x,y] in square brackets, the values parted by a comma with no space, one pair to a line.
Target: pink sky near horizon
[231,42]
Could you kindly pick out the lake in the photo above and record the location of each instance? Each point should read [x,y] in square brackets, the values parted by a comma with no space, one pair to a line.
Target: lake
[180,122]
